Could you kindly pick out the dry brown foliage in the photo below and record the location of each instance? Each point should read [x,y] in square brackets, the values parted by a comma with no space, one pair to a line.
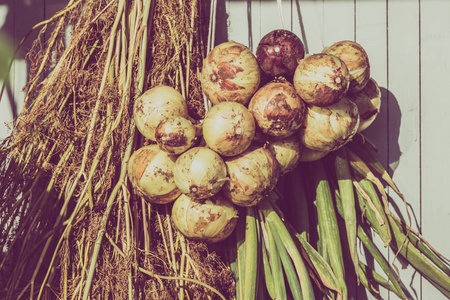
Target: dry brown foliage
[61,171]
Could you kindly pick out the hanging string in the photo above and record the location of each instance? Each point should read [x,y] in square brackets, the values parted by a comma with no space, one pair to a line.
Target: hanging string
[211,41]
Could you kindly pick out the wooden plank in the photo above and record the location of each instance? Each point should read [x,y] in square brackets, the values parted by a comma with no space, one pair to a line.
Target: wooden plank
[371,33]
[403,117]
[338,21]
[307,23]
[435,88]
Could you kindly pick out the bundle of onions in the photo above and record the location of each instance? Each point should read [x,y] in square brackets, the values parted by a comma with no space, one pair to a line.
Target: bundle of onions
[211,220]
[155,105]
[150,171]
[252,175]
[277,108]
[200,173]
[230,73]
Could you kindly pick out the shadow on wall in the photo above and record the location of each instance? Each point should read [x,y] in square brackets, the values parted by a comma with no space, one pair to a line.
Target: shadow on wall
[17,17]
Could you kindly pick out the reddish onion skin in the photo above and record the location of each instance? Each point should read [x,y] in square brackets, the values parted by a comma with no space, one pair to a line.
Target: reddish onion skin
[231,73]
[277,108]
[278,53]
[356,60]
[321,79]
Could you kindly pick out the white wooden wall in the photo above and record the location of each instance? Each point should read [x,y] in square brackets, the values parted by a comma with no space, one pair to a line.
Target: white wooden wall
[406,41]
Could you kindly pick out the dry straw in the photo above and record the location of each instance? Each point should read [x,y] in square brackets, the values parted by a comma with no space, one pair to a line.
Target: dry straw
[71,225]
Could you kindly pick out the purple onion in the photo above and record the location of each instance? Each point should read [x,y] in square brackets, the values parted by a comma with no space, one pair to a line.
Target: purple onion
[278,53]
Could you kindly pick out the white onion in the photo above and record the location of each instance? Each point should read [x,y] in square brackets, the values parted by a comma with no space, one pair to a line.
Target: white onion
[329,128]
[200,173]
[175,135]
[150,171]
[356,60]
[229,128]
[211,220]
[321,79]
[368,101]
[156,104]
[253,174]
[230,73]
[287,152]
[312,155]
[277,108]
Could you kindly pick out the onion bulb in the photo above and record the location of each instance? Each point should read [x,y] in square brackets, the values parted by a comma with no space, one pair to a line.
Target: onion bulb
[230,73]
[150,171]
[175,135]
[368,101]
[200,173]
[321,79]
[277,108]
[156,104]
[278,53]
[312,155]
[356,60]
[229,128]
[329,128]
[252,175]
[212,220]
[287,152]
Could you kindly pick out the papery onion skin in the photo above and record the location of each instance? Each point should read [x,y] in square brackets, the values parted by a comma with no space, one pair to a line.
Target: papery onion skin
[287,152]
[175,135]
[309,155]
[150,171]
[156,104]
[277,108]
[230,72]
[321,79]
[368,101]
[200,173]
[356,60]
[229,128]
[329,128]
[278,53]
[211,220]
[253,174]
